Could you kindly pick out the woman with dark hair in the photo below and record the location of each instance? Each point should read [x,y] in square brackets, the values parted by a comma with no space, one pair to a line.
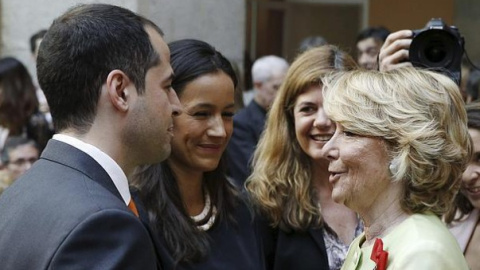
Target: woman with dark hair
[19,108]
[198,216]
[464,217]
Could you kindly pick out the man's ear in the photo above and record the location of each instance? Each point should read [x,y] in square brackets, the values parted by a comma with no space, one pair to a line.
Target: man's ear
[117,83]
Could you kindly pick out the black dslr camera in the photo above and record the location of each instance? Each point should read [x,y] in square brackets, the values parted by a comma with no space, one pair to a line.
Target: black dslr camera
[438,47]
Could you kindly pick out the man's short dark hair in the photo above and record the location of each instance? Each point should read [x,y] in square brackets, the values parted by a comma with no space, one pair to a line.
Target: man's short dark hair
[33,39]
[78,52]
[379,33]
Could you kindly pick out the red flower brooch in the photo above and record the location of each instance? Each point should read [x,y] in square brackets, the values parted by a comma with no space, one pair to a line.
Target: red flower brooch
[379,256]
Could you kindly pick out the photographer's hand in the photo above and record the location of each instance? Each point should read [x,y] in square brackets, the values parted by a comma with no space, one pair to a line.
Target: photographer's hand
[394,52]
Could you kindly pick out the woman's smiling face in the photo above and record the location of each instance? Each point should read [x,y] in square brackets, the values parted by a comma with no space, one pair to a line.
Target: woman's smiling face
[312,126]
[471,176]
[202,132]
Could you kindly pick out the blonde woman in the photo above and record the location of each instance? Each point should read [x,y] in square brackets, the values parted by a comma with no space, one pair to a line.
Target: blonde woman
[400,147]
[289,183]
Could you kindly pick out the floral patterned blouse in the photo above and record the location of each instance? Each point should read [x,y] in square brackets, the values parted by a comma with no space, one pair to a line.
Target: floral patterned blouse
[336,249]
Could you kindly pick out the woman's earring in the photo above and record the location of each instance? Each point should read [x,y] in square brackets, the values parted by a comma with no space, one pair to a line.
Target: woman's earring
[392,168]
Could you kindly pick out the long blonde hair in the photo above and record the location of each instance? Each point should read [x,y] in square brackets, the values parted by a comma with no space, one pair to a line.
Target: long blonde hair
[281,182]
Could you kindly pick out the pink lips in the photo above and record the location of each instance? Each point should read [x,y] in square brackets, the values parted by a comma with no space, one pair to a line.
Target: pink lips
[321,137]
[212,148]
[170,130]
[473,191]
[334,176]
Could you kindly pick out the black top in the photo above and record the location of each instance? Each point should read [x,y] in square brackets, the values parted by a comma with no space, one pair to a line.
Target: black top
[294,250]
[232,246]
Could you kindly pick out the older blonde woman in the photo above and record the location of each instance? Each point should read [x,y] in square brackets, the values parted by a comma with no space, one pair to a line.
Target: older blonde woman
[289,183]
[396,158]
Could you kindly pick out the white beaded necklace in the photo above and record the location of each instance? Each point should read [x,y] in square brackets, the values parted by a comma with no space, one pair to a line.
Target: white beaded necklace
[210,222]
[204,213]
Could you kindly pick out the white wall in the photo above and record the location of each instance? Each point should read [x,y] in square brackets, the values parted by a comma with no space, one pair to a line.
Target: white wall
[219,22]
[22,18]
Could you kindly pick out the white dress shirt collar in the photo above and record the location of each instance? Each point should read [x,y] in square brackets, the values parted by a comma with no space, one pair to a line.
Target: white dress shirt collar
[108,164]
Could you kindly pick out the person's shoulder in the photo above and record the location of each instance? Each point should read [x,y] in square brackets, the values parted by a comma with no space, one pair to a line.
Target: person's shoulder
[109,233]
[242,114]
[429,254]
[59,191]
[424,242]
[421,227]
[64,222]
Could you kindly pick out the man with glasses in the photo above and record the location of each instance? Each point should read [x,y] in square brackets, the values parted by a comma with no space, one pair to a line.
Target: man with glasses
[18,155]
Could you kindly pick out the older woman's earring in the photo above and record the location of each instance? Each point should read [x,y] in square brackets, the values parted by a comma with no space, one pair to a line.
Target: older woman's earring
[392,168]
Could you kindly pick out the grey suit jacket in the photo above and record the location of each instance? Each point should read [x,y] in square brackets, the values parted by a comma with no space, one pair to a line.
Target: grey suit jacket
[65,213]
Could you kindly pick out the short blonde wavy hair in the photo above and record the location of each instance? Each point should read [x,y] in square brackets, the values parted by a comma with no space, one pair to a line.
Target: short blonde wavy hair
[421,116]
[280,184]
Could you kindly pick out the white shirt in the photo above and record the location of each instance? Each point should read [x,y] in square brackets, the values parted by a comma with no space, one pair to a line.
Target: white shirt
[108,164]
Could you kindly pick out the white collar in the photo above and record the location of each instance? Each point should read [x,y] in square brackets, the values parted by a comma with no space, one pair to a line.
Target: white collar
[108,164]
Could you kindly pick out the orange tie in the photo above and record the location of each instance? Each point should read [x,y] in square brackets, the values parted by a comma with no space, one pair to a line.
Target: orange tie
[133,207]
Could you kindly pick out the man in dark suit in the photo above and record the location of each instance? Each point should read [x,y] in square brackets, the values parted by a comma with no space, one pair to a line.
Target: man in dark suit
[268,73]
[106,74]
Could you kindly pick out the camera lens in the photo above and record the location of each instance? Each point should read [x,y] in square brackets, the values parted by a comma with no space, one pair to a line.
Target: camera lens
[433,48]
[437,47]
[435,53]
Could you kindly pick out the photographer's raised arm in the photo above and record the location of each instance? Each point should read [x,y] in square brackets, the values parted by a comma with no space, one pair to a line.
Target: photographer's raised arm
[394,52]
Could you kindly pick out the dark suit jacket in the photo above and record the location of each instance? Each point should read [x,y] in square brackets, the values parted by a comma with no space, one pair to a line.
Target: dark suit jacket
[301,251]
[65,213]
[248,125]
[294,250]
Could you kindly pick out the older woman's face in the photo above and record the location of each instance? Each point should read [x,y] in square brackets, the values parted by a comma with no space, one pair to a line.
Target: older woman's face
[312,126]
[358,169]
[471,176]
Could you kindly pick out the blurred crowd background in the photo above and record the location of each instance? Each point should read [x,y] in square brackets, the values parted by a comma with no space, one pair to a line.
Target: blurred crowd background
[245,30]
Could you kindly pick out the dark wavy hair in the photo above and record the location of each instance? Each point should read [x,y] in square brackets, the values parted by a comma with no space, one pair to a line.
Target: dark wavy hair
[18,100]
[157,185]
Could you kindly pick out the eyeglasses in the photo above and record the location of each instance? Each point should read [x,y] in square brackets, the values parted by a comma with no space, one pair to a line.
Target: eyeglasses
[23,161]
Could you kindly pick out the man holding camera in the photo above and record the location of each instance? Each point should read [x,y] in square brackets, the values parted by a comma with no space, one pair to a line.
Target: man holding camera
[395,51]
[369,42]
[437,47]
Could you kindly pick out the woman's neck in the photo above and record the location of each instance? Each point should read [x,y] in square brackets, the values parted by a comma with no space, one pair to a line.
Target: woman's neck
[190,185]
[383,217]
